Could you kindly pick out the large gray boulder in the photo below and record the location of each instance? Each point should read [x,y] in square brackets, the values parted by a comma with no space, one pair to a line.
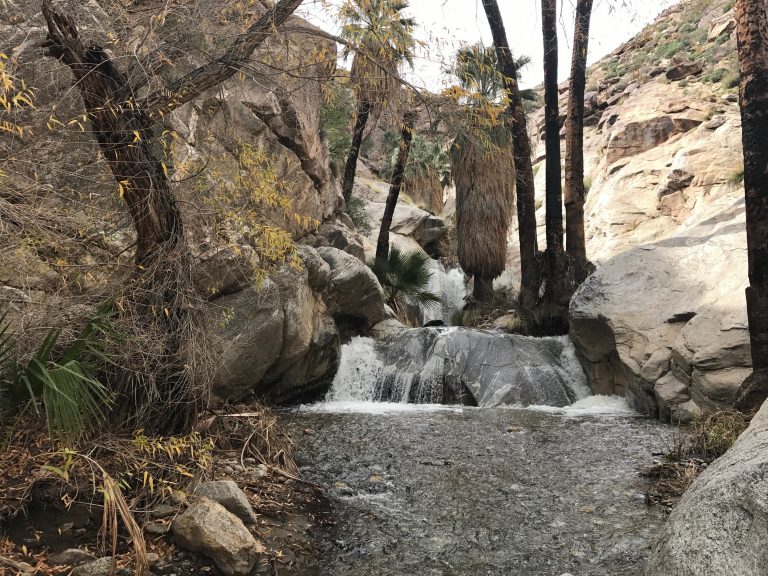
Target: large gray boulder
[665,323]
[354,294]
[720,527]
[228,494]
[277,340]
[483,368]
[208,528]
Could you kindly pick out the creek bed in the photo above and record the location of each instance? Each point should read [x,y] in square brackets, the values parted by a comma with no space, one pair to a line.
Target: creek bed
[436,491]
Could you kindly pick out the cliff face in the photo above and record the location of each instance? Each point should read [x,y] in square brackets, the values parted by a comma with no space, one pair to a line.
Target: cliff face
[66,241]
[663,320]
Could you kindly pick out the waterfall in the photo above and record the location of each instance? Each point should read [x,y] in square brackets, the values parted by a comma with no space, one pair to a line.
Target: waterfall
[459,366]
[451,287]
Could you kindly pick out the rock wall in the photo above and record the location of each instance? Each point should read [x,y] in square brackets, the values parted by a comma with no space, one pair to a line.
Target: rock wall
[663,319]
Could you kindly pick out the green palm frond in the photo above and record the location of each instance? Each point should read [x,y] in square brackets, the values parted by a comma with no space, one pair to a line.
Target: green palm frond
[73,398]
[406,276]
[381,39]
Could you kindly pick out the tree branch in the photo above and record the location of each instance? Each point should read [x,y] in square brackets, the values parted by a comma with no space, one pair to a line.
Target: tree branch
[209,75]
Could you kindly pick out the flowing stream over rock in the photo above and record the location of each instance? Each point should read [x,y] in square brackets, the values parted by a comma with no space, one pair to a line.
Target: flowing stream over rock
[426,489]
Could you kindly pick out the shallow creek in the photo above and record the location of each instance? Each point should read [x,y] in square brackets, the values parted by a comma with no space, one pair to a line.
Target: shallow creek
[423,490]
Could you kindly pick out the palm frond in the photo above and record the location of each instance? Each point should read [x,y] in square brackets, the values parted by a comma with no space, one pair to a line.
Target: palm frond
[406,276]
[72,397]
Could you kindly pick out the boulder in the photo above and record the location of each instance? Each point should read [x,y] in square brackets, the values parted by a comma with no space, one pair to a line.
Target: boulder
[277,340]
[100,567]
[720,526]
[666,323]
[476,367]
[229,495]
[71,557]
[318,270]
[250,339]
[683,70]
[208,528]
[354,292]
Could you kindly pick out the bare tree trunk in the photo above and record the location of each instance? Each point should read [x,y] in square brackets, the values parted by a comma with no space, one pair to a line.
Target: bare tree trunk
[526,201]
[575,242]
[350,169]
[123,128]
[382,246]
[554,192]
[752,35]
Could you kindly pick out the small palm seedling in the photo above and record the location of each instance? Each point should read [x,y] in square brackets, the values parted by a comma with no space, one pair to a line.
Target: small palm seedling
[405,279]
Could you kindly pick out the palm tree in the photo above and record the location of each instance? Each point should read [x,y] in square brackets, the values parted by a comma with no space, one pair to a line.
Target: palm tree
[483,170]
[752,36]
[427,173]
[405,278]
[382,245]
[554,192]
[382,39]
[575,243]
[526,200]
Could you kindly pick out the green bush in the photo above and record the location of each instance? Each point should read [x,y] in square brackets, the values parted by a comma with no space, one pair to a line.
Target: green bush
[356,211]
[714,76]
[335,118]
[737,176]
[732,80]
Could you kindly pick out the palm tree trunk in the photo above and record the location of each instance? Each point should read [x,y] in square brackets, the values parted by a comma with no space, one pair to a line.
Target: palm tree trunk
[526,201]
[575,242]
[752,36]
[554,192]
[382,246]
[482,289]
[363,112]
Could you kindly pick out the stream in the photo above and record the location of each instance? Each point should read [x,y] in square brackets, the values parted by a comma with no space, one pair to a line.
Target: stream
[423,489]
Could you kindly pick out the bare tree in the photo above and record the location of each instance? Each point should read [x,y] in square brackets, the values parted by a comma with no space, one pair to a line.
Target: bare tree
[752,36]
[123,125]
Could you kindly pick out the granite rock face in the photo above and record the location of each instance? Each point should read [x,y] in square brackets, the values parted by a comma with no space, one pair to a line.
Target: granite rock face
[721,524]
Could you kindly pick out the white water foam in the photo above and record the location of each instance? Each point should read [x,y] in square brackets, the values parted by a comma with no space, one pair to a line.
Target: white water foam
[452,289]
[359,369]
[592,406]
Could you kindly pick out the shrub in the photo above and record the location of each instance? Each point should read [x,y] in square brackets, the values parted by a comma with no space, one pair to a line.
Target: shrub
[737,176]
[714,76]
[356,211]
[732,80]
[714,435]
[71,395]
[335,118]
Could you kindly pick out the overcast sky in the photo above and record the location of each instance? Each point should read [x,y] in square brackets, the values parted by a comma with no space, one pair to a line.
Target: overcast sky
[444,25]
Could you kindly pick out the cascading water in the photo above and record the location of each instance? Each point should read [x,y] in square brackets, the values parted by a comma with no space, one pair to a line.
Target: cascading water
[459,366]
[451,287]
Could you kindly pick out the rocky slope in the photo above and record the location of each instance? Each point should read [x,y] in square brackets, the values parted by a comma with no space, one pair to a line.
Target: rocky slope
[258,131]
[663,320]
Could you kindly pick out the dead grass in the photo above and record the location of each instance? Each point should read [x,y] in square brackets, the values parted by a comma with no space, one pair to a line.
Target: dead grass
[692,450]
[123,477]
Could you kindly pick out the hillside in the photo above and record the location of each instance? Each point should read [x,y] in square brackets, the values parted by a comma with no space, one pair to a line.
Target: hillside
[664,317]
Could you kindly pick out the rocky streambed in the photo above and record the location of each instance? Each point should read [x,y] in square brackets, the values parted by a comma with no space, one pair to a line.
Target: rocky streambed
[449,491]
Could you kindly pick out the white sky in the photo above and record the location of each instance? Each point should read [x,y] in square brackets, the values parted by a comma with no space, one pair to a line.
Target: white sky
[444,25]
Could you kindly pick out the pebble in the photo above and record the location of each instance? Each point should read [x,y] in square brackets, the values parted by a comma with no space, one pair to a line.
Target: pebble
[152,558]
[156,529]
